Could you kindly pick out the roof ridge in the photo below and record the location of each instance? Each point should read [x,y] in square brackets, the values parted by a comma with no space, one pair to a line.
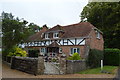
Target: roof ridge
[76,24]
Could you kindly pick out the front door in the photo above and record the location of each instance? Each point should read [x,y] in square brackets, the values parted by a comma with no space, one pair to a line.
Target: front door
[53,51]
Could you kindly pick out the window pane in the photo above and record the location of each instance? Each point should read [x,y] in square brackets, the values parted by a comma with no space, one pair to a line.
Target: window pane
[71,50]
[78,50]
[75,50]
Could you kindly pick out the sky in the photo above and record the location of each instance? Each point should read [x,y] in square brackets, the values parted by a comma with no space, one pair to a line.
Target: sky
[50,12]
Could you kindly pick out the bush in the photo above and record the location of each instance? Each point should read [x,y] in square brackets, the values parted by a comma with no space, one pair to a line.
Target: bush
[94,58]
[112,57]
[33,53]
[16,51]
[75,56]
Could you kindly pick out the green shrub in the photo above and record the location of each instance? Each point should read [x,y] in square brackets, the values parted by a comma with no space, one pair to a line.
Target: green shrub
[33,53]
[94,58]
[112,57]
[75,56]
[16,51]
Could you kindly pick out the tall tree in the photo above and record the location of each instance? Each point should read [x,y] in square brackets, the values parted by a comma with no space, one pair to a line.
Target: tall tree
[14,31]
[34,28]
[105,16]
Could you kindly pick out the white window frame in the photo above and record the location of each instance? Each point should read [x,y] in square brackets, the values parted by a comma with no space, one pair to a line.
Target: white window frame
[74,49]
[42,50]
[71,53]
[98,35]
[46,36]
[55,35]
[42,34]
[60,50]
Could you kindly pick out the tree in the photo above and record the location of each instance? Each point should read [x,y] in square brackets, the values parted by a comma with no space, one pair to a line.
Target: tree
[34,28]
[104,16]
[14,31]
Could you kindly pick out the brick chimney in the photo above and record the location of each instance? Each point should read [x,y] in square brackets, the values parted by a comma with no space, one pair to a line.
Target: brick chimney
[44,28]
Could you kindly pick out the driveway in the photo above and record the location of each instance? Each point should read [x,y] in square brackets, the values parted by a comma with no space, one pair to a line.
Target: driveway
[12,73]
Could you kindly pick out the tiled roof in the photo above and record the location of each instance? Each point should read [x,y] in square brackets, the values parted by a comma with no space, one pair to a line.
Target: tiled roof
[55,28]
[77,30]
[37,36]
[81,29]
[54,44]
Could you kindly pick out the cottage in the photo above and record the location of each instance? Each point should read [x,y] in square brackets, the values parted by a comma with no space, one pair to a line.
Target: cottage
[74,38]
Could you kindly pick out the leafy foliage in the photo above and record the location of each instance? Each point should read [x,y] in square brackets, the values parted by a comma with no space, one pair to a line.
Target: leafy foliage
[75,56]
[15,31]
[33,53]
[34,28]
[105,16]
[112,57]
[94,58]
[16,51]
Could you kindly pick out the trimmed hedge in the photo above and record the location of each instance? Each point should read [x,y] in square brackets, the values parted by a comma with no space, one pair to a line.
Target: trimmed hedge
[94,58]
[112,57]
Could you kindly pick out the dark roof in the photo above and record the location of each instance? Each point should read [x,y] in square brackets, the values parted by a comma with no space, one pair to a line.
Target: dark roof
[81,29]
[77,30]
[55,28]
[54,44]
[37,36]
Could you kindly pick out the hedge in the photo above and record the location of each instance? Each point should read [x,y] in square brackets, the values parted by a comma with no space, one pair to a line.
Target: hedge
[94,58]
[112,57]
[33,53]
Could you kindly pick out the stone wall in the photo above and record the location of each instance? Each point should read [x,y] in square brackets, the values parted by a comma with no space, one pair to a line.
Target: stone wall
[36,65]
[25,64]
[74,66]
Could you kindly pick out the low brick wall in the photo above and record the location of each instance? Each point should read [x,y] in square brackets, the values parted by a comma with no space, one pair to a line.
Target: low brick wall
[25,64]
[74,66]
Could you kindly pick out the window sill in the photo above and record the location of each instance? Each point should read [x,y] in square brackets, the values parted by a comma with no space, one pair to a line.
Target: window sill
[98,38]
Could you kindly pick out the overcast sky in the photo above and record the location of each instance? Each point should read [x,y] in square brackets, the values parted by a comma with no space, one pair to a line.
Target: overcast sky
[50,12]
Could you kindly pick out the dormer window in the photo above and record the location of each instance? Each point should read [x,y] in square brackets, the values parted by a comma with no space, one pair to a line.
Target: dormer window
[55,35]
[46,36]
[42,34]
[98,35]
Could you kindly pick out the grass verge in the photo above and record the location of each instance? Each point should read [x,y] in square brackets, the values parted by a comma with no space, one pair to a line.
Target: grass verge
[110,69]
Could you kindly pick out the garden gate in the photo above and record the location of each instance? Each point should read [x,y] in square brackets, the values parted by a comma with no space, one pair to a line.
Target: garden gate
[52,65]
[55,65]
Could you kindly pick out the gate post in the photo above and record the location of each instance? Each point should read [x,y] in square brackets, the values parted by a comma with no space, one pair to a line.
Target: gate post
[40,65]
[63,64]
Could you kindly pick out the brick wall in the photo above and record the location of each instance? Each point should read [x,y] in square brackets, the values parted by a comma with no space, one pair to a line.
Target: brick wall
[94,42]
[67,50]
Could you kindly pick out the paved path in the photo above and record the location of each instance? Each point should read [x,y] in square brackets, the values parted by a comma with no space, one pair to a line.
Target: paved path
[12,73]
[50,68]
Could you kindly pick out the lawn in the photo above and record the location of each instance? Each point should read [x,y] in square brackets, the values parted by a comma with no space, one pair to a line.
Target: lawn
[110,69]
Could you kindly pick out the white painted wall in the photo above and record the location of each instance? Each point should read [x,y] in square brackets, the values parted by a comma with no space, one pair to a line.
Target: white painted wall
[78,40]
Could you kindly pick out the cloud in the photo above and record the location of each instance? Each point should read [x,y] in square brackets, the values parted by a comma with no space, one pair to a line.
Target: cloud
[50,12]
